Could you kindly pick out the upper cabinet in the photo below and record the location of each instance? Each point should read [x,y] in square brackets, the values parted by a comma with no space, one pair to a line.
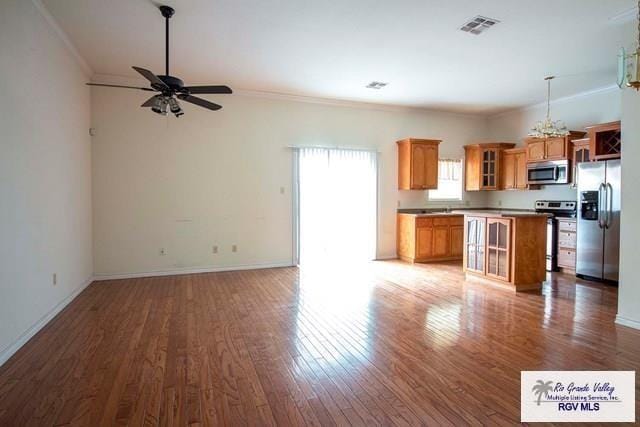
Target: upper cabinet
[418,164]
[605,141]
[581,154]
[556,148]
[482,165]
[514,169]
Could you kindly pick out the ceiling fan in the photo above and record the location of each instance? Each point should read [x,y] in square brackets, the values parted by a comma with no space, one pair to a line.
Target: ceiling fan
[170,87]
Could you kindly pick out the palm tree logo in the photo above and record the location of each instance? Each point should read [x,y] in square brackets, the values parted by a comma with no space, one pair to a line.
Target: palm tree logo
[542,388]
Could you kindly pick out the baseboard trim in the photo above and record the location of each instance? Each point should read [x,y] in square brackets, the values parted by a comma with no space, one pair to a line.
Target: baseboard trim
[386,257]
[11,349]
[182,271]
[624,321]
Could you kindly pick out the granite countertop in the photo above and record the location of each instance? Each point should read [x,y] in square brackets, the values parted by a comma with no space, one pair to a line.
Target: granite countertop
[502,213]
[489,212]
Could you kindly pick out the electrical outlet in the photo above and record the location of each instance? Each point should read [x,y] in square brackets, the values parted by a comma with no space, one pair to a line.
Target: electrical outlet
[215,250]
[499,202]
[467,203]
[55,279]
[281,190]
[162,252]
[234,248]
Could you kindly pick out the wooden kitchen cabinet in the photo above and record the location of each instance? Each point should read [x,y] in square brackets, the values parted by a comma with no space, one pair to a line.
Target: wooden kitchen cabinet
[536,151]
[605,141]
[581,154]
[553,148]
[498,237]
[482,165]
[429,238]
[514,170]
[567,242]
[418,164]
[474,244]
[506,249]
[456,240]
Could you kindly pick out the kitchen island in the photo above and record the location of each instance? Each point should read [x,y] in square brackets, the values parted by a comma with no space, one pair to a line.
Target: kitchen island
[506,248]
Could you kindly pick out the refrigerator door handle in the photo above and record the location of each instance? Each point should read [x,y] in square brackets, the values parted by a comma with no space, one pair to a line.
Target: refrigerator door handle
[601,204]
[609,197]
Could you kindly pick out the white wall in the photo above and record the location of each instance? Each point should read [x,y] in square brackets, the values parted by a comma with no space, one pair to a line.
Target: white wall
[214,178]
[577,112]
[45,174]
[629,290]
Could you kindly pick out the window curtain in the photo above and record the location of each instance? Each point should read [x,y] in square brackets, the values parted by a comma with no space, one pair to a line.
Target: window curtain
[450,169]
[337,205]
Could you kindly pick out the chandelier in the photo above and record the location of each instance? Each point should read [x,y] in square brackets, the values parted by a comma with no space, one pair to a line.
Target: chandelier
[629,64]
[548,128]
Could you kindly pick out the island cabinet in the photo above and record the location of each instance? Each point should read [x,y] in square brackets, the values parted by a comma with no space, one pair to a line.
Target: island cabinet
[552,148]
[418,164]
[482,163]
[425,238]
[506,249]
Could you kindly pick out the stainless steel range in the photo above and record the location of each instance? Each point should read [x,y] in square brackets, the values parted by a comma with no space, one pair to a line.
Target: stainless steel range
[557,209]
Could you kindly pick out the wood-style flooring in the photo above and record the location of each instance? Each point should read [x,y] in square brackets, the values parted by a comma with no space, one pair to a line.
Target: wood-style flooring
[385,344]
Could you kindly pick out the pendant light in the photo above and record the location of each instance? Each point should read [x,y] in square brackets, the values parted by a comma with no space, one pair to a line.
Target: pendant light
[548,128]
[629,64]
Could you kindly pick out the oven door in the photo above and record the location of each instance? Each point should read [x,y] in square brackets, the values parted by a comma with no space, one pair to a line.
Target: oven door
[548,172]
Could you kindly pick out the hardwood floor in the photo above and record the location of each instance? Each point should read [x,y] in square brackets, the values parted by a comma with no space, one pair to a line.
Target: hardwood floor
[390,343]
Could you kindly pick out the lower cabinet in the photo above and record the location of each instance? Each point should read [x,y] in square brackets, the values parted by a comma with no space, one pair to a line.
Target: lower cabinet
[567,240]
[487,247]
[508,251]
[429,238]
[474,246]
[498,235]
[457,240]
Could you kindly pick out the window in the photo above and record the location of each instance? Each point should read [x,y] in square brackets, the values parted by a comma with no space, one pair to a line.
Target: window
[449,180]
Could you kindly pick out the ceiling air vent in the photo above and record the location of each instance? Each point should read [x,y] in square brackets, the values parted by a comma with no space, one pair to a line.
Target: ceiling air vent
[376,85]
[478,25]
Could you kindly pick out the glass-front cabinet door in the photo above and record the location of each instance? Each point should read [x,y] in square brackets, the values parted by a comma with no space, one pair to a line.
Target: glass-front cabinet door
[498,241]
[489,169]
[474,244]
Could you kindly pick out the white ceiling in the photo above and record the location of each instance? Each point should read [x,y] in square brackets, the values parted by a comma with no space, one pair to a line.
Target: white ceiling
[333,48]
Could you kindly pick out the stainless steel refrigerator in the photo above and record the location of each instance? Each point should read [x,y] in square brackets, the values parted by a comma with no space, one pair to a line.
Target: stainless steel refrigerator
[598,249]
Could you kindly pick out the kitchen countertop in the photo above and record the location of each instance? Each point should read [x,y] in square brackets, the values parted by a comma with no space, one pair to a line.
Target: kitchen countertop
[488,212]
[502,213]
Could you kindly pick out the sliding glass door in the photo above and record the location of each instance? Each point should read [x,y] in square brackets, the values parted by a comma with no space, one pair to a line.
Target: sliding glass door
[337,205]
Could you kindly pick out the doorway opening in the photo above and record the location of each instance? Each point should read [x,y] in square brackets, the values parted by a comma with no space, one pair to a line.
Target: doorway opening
[337,205]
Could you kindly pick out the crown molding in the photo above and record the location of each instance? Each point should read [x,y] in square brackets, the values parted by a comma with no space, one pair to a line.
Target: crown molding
[624,16]
[133,81]
[63,37]
[562,100]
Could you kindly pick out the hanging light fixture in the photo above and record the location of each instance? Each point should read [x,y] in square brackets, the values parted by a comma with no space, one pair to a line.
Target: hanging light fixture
[629,64]
[547,127]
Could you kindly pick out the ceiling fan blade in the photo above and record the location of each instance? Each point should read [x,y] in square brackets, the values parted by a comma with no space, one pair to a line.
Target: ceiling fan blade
[200,102]
[156,83]
[150,102]
[123,87]
[209,89]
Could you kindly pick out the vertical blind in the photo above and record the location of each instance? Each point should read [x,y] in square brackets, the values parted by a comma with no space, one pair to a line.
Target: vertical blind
[337,204]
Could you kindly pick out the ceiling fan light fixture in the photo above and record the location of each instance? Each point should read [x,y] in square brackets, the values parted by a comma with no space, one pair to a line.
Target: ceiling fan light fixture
[160,105]
[175,108]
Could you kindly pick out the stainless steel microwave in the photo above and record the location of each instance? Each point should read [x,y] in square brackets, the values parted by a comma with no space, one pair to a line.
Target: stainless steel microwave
[552,172]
